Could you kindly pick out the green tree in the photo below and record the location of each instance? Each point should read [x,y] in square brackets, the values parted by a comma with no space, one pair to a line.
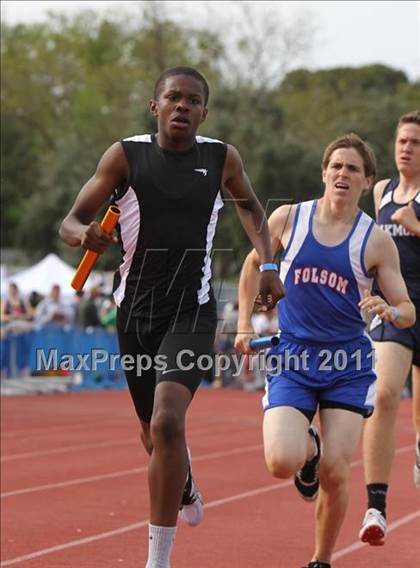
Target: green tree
[72,86]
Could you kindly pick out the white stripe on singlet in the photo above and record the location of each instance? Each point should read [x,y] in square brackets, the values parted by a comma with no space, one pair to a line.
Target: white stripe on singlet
[203,292]
[356,250]
[130,228]
[299,233]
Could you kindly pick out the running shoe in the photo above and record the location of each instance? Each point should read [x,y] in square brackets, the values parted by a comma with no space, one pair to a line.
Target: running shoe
[317,564]
[307,478]
[373,529]
[417,464]
[192,507]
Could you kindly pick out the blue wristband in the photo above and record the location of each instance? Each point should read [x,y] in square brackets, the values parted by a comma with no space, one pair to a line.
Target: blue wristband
[269,266]
[396,314]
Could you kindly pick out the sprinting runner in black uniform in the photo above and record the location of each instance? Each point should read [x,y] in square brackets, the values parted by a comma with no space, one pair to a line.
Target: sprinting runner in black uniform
[169,205]
[397,204]
[167,187]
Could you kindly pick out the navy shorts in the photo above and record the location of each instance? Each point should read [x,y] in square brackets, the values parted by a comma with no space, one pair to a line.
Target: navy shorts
[307,376]
[409,337]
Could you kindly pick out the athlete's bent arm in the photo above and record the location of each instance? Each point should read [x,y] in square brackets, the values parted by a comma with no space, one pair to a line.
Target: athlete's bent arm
[406,216]
[254,221]
[247,292]
[249,279]
[382,257]
[79,228]
[378,191]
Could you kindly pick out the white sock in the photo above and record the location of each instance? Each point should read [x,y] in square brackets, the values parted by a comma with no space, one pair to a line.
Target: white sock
[161,540]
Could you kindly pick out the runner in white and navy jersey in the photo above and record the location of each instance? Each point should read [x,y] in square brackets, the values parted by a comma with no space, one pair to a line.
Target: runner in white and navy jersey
[397,206]
[324,359]
[167,186]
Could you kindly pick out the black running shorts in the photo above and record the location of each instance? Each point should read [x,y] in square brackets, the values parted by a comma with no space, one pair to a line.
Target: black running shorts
[178,349]
[409,337]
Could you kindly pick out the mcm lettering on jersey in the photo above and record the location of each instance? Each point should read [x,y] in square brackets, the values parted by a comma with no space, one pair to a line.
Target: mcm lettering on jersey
[407,243]
[396,230]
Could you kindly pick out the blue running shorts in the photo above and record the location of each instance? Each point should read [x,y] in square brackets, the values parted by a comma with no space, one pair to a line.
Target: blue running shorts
[308,375]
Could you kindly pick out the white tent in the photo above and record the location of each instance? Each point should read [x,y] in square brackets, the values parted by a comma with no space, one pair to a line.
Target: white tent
[3,279]
[42,276]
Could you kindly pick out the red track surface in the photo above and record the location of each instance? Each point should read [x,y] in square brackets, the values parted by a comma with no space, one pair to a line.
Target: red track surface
[74,491]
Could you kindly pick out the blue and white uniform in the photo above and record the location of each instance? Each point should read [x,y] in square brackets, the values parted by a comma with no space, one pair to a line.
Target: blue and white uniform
[409,250]
[324,357]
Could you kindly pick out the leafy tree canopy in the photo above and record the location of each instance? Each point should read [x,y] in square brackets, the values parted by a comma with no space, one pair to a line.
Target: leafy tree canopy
[72,86]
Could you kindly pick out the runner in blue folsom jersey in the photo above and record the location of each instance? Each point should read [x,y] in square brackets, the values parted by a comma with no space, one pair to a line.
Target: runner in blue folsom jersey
[324,359]
[168,188]
[397,205]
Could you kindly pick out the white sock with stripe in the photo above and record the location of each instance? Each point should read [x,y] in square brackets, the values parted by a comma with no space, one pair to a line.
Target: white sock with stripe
[161,540]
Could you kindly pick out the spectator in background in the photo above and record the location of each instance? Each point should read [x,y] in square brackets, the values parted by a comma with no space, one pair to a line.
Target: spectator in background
[265,323]
[88,312]
[34,299]
[14,307]
[52,309]
[225,336]
[108,313]
[228,327]
[77,300]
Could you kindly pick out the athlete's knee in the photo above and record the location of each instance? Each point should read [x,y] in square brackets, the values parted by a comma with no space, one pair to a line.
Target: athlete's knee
[334,473]
[283,466]
[166,427]
[146,438]
[387,399]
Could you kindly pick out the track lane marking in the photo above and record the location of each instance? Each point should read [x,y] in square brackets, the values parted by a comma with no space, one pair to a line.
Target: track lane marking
[122,441]
[135,526]
[79,447]
[210,505]
[123,472]
[133,471]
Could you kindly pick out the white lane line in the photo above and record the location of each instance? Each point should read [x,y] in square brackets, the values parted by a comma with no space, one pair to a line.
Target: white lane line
[73,543]
[134,471]
[79,447]
[71,482]
[135,526]
[69,428]
[199,425]
[211,504]
[395,525]
[121,473]
[123,441]
[251,493]
[398,451]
